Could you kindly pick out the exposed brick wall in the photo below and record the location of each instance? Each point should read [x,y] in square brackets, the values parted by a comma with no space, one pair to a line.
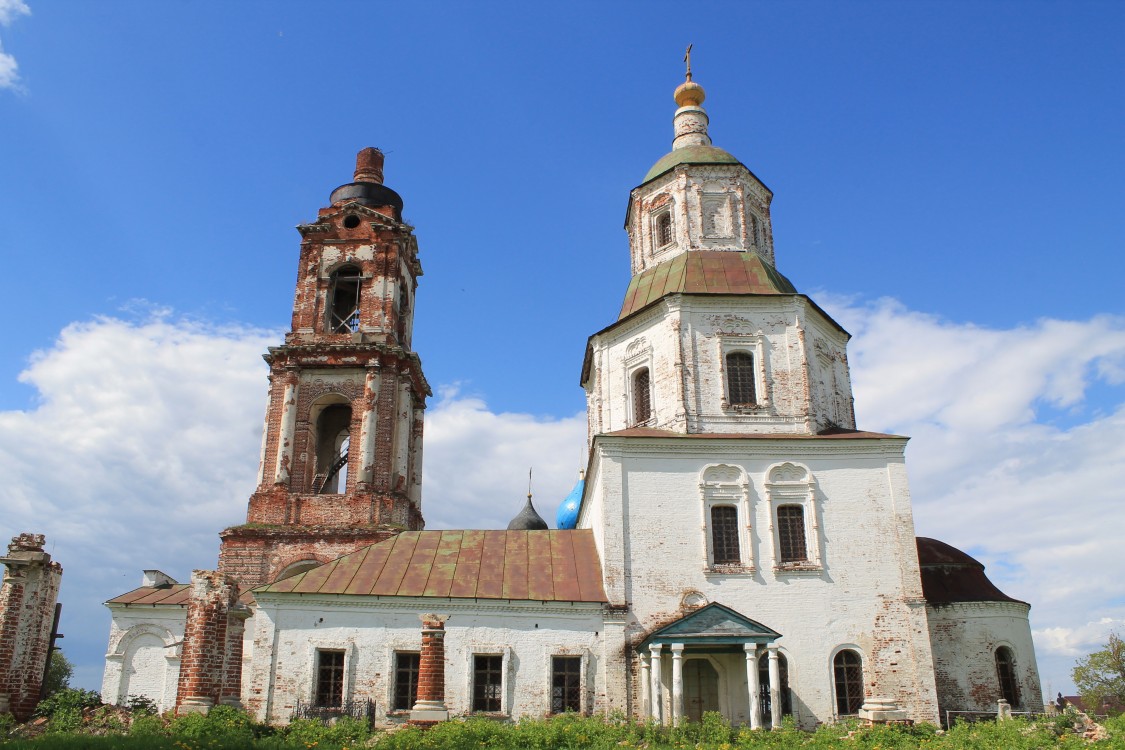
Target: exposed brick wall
[207,647]
[27,611]
[431,665]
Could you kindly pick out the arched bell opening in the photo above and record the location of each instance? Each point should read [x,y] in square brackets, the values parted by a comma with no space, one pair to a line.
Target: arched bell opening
[332,424]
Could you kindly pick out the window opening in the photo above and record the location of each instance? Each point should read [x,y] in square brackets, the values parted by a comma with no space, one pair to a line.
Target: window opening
[664,229]
[329,678]
[566,678]
[847,668]
[740,379]
[406,680]
[343,305]
[1006,673]
[724,535]
[642,397]
[765,702]
[333,438]
[403,304]
[791,534]
[487,683]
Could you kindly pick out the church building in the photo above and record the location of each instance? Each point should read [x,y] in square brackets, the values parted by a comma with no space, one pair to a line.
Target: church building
[737,543]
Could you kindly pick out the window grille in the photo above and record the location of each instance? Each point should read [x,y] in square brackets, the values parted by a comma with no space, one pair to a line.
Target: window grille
[329,678]
[791,534]
[566,684]
[642,397]
[664,230]
[487,683]
[724,535]
[406,680]
[740,379]
[1006,674]
[848,671]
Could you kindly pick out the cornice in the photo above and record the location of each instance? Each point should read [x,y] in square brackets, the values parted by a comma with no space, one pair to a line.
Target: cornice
[412,605]
[734,448]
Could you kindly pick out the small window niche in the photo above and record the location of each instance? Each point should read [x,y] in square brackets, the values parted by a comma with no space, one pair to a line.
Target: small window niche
[662,229]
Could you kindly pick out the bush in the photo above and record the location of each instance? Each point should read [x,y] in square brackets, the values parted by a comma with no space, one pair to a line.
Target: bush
[221,723]
[345,731]
[148,725]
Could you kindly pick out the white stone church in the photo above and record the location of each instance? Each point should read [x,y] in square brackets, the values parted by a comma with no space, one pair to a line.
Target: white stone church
[737,545]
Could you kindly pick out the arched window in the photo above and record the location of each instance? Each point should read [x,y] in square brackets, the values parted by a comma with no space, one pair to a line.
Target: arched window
[764,700]
[333,428]
[847,670]
[791,534]
[343,300]
[1006,674]
[642,396]
[740,379]
[724,535]
[664,229]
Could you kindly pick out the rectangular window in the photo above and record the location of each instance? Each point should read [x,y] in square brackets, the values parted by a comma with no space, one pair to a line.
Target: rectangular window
[329,678]
[488,682]
[724,535]
[791,534]
[406,680]
[642,396]
[566,678]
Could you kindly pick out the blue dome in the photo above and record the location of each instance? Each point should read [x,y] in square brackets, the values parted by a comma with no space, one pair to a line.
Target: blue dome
[567,516]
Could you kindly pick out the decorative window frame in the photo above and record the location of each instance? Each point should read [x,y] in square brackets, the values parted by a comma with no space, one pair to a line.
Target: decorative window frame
[585,698]
[725,484]
[315,645]
[638,356]
[755,346]
[725,224]
[655,215]
[793,484]
[505,652]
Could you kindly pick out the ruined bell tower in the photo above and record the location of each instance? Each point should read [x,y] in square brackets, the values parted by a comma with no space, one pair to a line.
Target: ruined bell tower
[341,461]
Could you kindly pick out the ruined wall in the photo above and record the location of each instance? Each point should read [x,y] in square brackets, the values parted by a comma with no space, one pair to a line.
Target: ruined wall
[802,383]
[289,630]
[860,588]
[208,648]
[965,637]
[28,595]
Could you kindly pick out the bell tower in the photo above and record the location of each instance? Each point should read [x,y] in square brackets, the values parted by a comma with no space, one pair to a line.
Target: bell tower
[341,460]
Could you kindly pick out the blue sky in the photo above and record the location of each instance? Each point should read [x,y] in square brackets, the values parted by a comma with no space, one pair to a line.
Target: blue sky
[948,179]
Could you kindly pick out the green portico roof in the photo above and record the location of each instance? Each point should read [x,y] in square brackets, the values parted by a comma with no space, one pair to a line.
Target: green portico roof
[689,155]
[704,272]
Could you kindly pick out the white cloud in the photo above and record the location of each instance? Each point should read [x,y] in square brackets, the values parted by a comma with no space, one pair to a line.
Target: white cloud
[143,444]
[9,69]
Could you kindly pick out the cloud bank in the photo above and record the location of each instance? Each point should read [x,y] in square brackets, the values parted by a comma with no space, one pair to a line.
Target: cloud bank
[142,443]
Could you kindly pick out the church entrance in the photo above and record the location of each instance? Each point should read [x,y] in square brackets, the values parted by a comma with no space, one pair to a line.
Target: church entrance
[701,688]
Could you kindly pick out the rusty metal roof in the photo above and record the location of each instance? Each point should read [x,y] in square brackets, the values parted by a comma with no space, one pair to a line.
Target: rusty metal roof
[836,434]
[548,565]
[177,593]
[704,272]
[949,575]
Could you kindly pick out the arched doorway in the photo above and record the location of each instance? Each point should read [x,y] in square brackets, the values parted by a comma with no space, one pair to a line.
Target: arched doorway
[701,688]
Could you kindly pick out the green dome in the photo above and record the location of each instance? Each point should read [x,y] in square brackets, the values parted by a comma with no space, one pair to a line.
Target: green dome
[689,155]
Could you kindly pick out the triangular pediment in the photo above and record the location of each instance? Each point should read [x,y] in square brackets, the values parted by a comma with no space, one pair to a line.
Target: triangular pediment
[713,624]
[327,220]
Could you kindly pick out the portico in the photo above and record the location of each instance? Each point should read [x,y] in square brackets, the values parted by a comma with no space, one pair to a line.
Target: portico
[708,661]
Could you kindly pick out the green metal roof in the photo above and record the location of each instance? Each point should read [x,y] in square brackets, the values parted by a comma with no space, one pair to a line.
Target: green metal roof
[704,272]
[714,624]
[689,155]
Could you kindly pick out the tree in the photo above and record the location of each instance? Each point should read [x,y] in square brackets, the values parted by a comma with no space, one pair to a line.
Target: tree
[58,674]
[1100,677]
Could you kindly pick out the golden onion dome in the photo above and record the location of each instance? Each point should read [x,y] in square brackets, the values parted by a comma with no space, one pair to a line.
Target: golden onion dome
[689,94]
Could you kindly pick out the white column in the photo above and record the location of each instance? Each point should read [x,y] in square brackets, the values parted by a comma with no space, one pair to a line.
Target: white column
[367,425]
[752,685]
[677,683]
[657,697]
[284,463]
[646,688]
[775,687]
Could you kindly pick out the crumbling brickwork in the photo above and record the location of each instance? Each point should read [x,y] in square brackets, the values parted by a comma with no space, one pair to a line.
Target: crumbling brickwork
[27,611]
[207,665]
